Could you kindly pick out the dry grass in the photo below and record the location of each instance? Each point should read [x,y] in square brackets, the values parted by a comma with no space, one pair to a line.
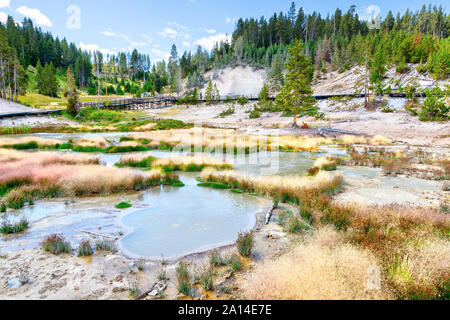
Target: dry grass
[294,189]
[175,163]
[9,142]
[228,140]
[26,176]
[326,163]
[322,268]
[409,243]
[422,269]
[20,159]
[377,140]
[98,142]
[146,127]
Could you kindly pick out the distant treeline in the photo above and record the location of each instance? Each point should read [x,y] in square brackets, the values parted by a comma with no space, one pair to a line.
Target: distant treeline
[336,42]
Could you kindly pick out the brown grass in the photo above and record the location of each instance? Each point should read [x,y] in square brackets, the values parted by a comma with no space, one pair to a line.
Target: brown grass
[229,140]
[322,268]
[292,189]
[98,142]
[46,174]
[6,142]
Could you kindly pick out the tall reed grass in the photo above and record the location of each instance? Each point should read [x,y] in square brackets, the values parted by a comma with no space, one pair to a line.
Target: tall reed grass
[27,176]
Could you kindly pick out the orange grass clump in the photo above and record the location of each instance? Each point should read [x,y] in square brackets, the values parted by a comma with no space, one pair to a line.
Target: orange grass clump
[25,176]
[324,267]
[294,189]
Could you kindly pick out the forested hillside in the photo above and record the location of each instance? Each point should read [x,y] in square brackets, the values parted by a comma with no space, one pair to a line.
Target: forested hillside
[32,60]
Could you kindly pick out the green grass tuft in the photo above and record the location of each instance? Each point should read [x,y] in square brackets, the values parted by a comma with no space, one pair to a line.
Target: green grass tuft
[124,205]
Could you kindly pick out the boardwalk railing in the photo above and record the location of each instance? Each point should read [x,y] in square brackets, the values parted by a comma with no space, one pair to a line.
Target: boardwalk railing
[157,102]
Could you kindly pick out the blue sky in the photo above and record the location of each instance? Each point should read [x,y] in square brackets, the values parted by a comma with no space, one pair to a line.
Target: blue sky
[152,26]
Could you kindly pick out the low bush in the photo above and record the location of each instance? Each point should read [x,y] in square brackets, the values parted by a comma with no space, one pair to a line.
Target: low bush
[106,246]
[85,249]
[8,227]
[245,244]
[56,244]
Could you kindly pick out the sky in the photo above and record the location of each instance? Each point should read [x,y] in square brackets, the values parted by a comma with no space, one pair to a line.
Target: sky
[152,26]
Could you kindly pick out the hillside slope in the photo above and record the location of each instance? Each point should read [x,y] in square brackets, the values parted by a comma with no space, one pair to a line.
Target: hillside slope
[237,81]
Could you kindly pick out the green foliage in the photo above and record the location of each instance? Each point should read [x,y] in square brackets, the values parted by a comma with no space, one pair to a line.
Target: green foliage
[46,80]
[255,114]
[403,68]
[440,60]
[183,278]
[227,112]
[434,107]
[245,243]
[292,224]
[124,205]
[296,94]
[242,100]
[71,94]
[85,249]
[8,227]
[207,280]
[106,246]
[210,93]
[56,244]
[264,93]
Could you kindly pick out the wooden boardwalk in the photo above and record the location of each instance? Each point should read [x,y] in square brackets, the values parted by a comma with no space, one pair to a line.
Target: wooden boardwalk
[159,102]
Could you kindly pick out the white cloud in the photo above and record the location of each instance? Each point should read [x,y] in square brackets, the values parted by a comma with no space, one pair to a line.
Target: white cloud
[209,42]
[168,32]
[108,33]
[211,31]
[36,15]
[177,25]
[93,47]
[4,3]
[3,17]
[186,44]
[139,44]
[228,20]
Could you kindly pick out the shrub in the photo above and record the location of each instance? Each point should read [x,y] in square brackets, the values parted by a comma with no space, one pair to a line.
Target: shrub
[245,244]
[85,249]
[387,109]
[134,290]
[9,228]
[434,107]
[235,263]
[106,245]
[162,275]
[207,280]
[216,259]
[183,278]
[227,112]
[403,68]
[313,171]
[56,244]
[255,114]
[242,100]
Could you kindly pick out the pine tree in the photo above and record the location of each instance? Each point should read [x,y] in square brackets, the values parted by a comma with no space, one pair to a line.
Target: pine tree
[48,82]
[71,94]
[209,94]
[296,94]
